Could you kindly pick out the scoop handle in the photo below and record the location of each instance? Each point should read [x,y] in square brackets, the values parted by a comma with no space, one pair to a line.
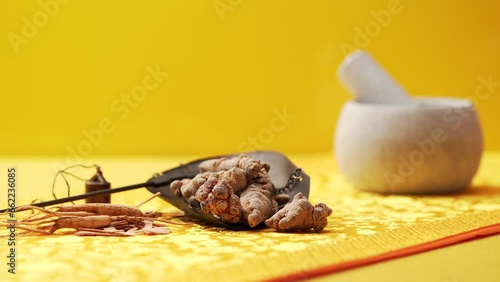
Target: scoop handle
[369,82]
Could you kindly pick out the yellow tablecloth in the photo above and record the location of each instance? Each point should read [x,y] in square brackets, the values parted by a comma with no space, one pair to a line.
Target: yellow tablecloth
[362,225]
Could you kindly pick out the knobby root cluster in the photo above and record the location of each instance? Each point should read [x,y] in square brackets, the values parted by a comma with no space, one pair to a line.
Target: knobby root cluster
[239,190]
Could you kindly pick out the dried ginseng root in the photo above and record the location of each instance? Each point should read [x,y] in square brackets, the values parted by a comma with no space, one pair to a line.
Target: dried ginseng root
[95,219]
[300,215]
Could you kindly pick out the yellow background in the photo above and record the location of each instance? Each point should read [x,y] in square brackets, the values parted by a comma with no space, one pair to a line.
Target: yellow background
[230,70]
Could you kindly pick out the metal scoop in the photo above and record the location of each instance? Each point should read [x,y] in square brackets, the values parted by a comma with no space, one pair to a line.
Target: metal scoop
[286,177]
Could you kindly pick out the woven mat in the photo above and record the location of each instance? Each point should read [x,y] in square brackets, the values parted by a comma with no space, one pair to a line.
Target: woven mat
[364,228]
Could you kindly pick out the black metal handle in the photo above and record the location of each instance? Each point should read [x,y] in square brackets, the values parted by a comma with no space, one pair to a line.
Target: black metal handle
[92,194]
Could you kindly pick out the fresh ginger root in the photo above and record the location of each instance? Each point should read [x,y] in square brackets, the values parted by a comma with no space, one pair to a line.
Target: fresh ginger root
[218,198]
[187,188]
[300,215]
[251,167]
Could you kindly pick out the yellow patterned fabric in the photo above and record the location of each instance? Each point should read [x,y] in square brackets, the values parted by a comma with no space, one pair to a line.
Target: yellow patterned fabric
[362,225]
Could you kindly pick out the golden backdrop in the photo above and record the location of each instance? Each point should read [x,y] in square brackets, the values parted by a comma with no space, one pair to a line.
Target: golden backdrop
[83,78]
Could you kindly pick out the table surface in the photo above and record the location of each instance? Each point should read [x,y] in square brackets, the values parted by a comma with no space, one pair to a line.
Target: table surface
[475,260]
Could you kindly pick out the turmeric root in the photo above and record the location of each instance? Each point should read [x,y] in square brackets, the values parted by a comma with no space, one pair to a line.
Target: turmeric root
[251,167]
[187,188]
[257,201]
[300,215]
[217,197]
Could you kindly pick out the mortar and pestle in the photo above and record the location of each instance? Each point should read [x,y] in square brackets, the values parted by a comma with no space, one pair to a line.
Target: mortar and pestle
[387,142]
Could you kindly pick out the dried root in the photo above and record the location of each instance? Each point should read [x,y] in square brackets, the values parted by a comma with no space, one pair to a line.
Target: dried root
[236,190]
[187,188]
[99,208]
[258,201]
[94,219]
[239,190]
[300,215]
[282,199]
[251,167]
[217,197]
[149,229]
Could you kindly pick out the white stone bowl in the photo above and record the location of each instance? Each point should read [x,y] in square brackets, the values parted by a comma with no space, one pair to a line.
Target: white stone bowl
[432,145]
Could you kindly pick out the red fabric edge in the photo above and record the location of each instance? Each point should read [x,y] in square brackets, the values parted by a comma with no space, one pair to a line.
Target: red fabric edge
[446,241]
